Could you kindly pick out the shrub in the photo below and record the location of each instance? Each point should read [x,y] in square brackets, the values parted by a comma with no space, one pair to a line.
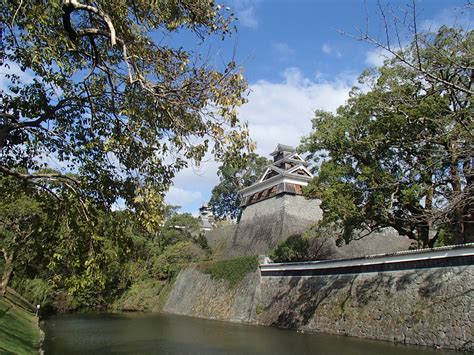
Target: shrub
[36,291]
[309,246]
[167,265]
[231,270]
[295,248]
[142,295]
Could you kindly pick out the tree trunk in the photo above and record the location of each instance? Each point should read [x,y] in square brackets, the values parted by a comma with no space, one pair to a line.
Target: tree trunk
[425,227]
[468,213]
[457,191]
[7,274]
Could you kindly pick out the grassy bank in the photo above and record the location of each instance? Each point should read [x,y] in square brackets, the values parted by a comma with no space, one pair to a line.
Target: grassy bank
[19,331]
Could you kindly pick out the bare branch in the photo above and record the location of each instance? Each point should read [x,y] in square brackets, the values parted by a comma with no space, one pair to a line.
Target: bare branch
[70,6]
[12,24]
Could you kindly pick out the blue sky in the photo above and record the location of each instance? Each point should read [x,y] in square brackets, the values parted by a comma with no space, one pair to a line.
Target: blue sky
[296,60]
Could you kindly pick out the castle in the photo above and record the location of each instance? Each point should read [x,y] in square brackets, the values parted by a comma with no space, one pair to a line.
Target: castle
[273,208]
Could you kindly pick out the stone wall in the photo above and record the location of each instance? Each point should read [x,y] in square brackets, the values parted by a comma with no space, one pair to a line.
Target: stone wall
[431,307]
[196,294]
[263,225]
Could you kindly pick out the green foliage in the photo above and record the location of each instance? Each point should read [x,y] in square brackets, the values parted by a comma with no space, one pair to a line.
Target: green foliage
[22,219]
[90,260]
[225,199]
[168,264]
[100,96]
[179,227]
[88,255]
[231,270]
[400,154]
[295,248]
[202,242]
[36,291]
[316,243]
[141,296]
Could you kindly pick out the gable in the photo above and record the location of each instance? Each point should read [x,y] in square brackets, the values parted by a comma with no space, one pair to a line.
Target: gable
[300,170]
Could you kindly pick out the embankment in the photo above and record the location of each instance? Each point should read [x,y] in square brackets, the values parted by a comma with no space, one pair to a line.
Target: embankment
[422,305]
[19,330]
[198,295]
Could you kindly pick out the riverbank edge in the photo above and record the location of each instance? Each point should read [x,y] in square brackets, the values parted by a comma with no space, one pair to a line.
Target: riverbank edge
[425,308]
[21,317]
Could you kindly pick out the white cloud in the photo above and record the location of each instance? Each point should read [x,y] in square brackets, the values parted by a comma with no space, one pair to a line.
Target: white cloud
[283,51]
[246,13]
[277,112]
[376,57]
[326,48]
[282,112]
[178,196]
[193,185]
[202,176]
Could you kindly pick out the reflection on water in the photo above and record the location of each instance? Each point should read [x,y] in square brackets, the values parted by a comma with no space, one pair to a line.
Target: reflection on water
[103,333]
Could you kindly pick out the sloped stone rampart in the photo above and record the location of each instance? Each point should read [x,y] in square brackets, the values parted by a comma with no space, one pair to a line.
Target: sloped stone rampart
[196,294]
[432,307]
[269,222]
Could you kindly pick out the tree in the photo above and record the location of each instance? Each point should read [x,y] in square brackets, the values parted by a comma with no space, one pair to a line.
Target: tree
[225,199]
[99,95]
[21,217]
[440,63]
[179,227]
[401,154]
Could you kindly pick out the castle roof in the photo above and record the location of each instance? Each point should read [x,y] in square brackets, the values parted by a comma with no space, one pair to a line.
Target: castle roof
[283,148]
[287,174]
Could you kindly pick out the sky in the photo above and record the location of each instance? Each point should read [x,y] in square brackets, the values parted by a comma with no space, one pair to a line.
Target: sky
[298,56]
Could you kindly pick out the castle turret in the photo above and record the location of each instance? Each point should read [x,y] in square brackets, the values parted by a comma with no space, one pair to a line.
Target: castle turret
[274,208]
[206,217]
[286,175]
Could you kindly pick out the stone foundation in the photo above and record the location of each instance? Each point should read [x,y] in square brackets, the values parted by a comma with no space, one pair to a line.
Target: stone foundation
[432,307]
[265,224]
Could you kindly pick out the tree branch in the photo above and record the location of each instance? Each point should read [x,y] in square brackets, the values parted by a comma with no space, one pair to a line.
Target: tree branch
[19,175]
[70,6]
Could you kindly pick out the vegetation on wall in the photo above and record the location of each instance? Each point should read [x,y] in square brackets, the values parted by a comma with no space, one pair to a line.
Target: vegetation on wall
[231,270]
[313,244]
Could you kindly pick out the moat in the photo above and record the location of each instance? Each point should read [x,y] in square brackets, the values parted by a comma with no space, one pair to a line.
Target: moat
[134,333]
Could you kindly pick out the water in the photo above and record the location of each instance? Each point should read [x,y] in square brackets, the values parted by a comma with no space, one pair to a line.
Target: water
[105,333]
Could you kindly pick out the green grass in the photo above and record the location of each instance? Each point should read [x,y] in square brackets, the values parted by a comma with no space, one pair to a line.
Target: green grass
[19,331]
[231,270]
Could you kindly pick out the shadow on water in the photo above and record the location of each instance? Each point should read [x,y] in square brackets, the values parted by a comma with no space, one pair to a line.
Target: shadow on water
[170,334]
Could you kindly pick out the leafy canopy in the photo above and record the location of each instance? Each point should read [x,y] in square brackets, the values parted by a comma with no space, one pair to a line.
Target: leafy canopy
[225,199]
[91,86]
[400,154]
